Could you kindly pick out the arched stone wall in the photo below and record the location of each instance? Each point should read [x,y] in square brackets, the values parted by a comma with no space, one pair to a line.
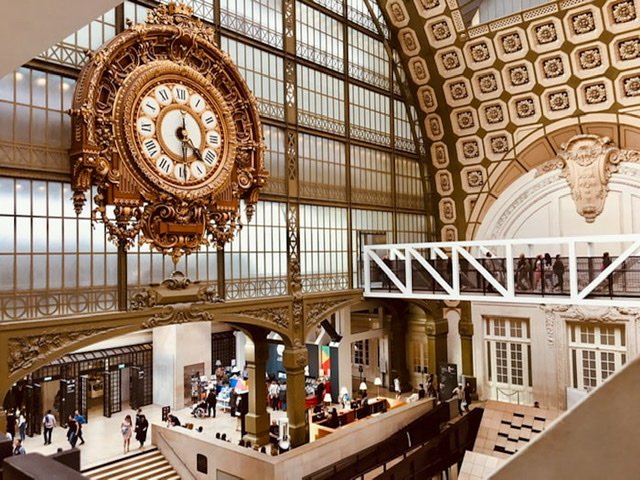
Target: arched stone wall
[543,144]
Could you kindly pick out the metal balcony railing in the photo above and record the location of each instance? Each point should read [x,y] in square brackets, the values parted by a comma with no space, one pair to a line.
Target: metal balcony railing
[597,270]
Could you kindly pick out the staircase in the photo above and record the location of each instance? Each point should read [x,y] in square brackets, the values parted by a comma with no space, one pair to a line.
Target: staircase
[150,465]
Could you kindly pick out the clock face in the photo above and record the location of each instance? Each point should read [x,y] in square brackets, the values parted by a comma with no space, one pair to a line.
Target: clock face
[179,132]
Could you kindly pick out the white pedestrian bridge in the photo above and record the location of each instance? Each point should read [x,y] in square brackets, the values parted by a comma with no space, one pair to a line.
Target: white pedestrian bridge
[598,270]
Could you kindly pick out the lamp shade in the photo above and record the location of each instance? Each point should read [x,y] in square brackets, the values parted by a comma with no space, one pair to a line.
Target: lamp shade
[377,381]
[344,391]
[363,386]
[327,398]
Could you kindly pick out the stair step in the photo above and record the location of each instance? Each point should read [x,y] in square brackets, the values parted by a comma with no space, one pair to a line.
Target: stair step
[144,470]
[157,474]
[146,466]
[121,461]
[110,471]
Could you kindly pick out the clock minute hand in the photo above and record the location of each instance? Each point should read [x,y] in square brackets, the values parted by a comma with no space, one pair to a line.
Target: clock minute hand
[196,151]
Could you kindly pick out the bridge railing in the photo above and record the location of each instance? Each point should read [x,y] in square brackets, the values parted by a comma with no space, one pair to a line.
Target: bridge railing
[589,270]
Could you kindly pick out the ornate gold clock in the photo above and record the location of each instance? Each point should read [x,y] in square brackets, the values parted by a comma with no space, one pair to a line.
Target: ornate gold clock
[166,128]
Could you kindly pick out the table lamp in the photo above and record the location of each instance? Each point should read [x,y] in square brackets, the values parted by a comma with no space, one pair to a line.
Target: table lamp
[327,399]
[377,382]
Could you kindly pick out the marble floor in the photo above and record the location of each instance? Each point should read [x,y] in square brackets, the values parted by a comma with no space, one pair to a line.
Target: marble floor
[103,440]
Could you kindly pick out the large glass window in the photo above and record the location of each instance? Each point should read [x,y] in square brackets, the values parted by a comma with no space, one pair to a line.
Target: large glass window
[258,19]
[274,159]
[71,50]
[320,101]
[411,228]
[368,61]
[409,192]
[322,168]
[596,352]
[256,260]
[370,176]
[358,12]
[402,127]
[508,351]
[54,262]
[319,37]
[360,352]
[323,248]
[263,73]
[370,116]
[34,128]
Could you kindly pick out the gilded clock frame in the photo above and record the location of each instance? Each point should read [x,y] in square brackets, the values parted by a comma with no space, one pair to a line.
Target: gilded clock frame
[125,112]
[174,219]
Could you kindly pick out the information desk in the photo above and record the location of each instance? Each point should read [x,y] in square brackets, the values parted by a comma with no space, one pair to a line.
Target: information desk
[324,424]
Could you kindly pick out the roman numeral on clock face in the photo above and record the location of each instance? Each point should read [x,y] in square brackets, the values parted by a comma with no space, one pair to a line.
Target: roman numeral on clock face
[181,172]
[210,157]
[209,120]
[165,164]
[213,139]
[180,93]
[151,147]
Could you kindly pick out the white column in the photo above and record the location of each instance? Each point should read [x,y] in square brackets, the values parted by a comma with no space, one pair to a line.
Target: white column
[174,348]
[343,321]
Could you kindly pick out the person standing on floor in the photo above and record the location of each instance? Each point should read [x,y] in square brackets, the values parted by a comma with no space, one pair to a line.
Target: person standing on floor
[72,431]
[421,392]
[458,393]
[212,400]
[142,425]
[22,424]
[126,429]
[468,391]
[48,422]
[274,395]
[81,421]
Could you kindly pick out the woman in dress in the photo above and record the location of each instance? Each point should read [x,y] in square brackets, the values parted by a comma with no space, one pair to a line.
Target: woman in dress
[142,425]
[126,429]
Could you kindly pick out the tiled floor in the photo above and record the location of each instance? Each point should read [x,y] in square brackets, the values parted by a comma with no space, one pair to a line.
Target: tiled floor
[104,441]
[507,428]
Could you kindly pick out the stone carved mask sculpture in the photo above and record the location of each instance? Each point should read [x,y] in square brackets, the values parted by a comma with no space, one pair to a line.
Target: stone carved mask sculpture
[587,162]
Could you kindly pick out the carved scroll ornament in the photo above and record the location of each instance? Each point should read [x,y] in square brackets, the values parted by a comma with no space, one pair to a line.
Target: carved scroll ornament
[587,162]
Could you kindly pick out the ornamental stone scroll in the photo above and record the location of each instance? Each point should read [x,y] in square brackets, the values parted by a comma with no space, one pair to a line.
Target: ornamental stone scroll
[587,162]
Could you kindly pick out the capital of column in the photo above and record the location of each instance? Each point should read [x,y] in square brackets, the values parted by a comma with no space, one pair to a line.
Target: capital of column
[435,327]
[295,358]
[465,328]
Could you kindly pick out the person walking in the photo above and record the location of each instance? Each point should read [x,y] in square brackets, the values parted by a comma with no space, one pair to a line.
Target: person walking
[558,271]
[142,425]
[72,431]
[606,261]
[522,273]
[81,421]
[468,392]
[22,424]
[282,393]
[458,393]
[126,429]
[538,268]
[48,421]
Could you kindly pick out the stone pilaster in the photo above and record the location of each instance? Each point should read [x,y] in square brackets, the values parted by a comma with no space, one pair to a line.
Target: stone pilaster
[437,329]
[257,419]
[465,328]
[294,361]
